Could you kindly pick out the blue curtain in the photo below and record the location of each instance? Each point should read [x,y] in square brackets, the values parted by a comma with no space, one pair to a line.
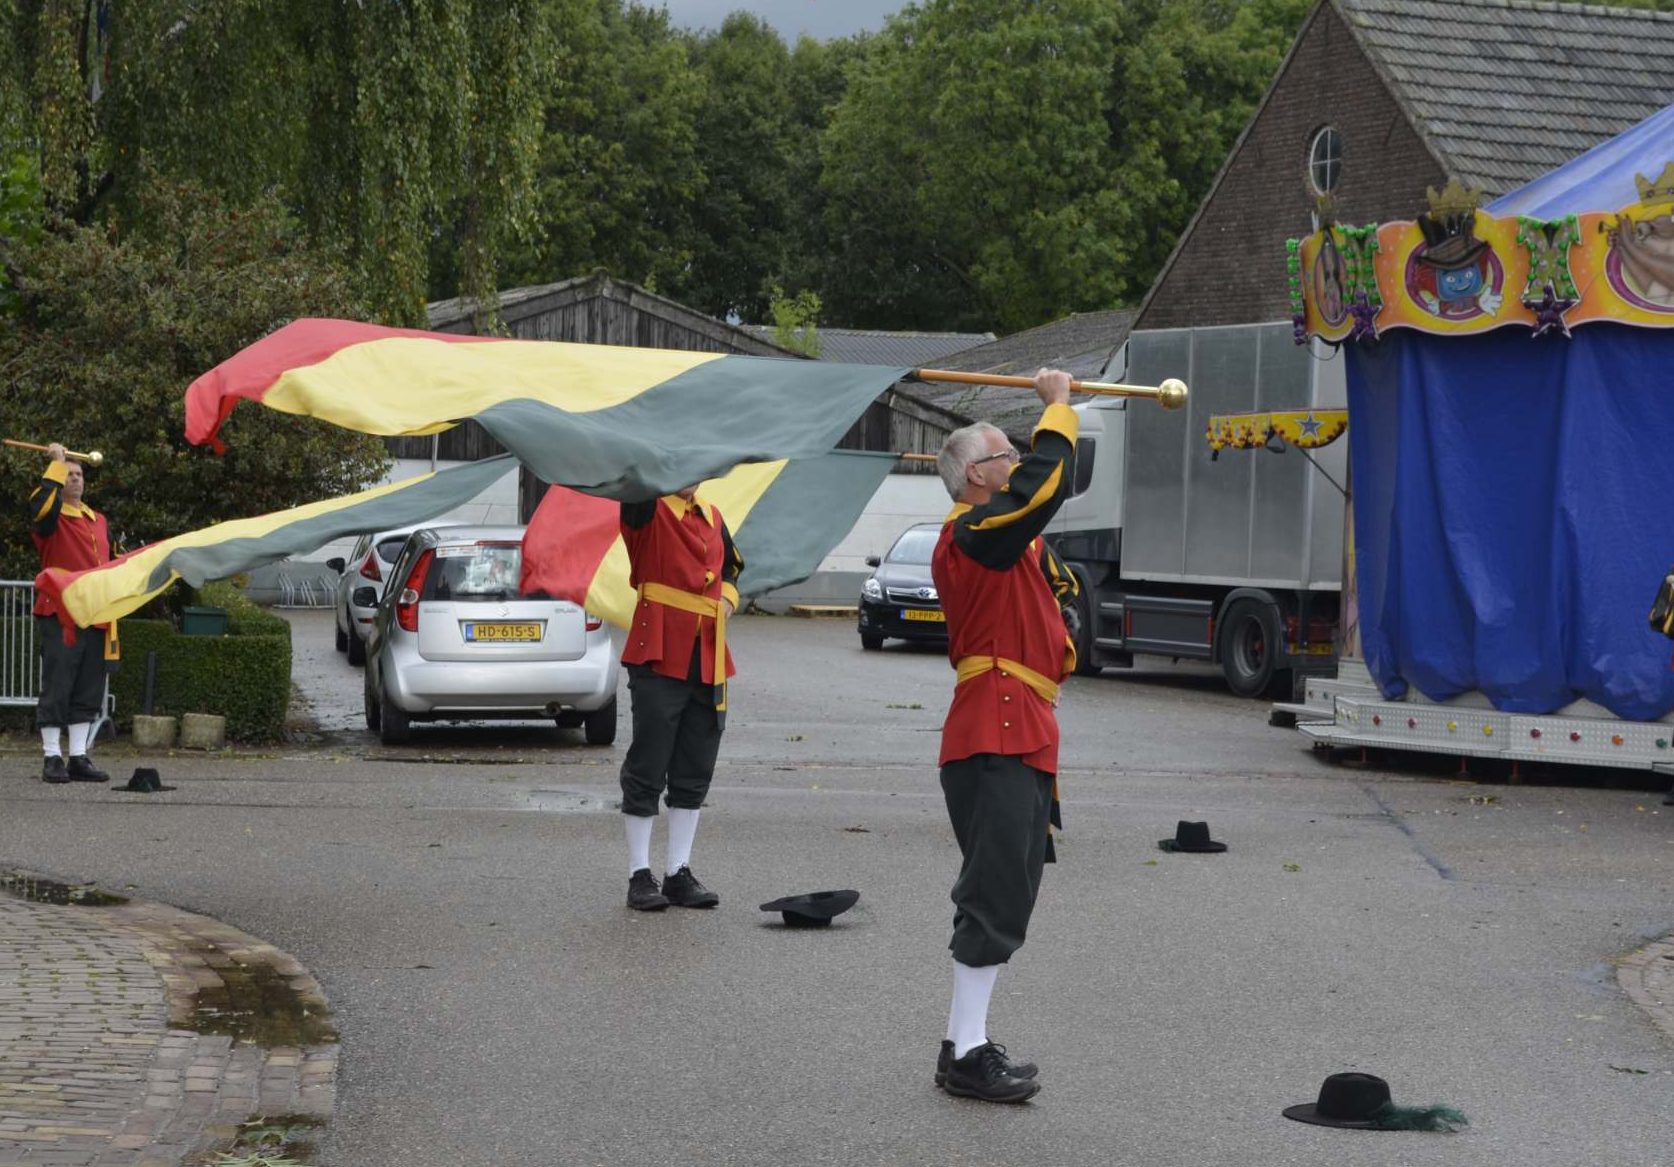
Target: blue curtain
[1512,501]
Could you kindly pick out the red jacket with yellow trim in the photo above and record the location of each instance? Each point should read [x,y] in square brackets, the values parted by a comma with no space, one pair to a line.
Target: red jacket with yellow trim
[686,546]
[74,537]
[992,572]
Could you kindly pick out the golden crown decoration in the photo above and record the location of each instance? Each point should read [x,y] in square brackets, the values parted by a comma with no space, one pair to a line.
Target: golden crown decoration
[1660,191]
[1455,199]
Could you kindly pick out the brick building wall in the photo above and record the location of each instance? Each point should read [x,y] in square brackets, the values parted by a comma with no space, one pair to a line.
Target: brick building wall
[1231,267]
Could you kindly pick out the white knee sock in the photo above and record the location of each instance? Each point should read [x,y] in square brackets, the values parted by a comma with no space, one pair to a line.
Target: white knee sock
[682,829]
[967,1021]
[639,840]
[49,741]
[78,738]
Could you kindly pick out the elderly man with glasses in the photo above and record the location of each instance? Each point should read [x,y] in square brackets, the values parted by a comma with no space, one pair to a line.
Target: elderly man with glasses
[1003,592]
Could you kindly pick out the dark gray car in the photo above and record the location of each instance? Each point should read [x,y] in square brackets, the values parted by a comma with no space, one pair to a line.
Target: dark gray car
[900,600]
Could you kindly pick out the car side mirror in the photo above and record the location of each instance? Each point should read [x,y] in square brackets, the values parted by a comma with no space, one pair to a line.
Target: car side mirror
[873,561]
[337,563]
[364,597]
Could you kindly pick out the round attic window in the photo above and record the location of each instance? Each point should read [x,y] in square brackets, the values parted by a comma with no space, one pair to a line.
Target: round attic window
[1325,160]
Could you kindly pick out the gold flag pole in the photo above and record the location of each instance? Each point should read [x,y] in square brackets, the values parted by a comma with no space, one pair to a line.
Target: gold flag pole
[1171,394]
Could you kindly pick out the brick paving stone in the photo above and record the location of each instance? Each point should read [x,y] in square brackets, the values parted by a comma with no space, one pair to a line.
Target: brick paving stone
[98,1065]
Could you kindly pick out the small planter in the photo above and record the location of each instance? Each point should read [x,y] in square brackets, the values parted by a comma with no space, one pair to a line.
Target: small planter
[202,731]
[154,733]
[203,622]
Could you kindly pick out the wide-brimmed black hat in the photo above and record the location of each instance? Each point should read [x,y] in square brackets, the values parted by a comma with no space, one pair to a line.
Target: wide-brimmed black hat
[814,910]
[1362,1102]
[1193,838]
[145,781]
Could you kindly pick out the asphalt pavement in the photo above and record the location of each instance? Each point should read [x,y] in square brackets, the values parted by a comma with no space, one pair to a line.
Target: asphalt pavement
[459,900]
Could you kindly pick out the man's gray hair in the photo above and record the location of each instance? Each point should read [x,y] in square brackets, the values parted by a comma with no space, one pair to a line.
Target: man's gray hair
[963,446]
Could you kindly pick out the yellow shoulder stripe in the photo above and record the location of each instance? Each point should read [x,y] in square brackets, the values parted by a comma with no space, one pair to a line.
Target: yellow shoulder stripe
[1038,499]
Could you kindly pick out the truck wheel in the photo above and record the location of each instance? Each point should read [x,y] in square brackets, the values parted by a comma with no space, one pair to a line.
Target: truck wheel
[599,727]
[1078,622]
[1251,645]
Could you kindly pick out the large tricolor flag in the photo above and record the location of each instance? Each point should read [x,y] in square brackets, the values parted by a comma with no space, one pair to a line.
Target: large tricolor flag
[625,423]
[620,423]
[115,589]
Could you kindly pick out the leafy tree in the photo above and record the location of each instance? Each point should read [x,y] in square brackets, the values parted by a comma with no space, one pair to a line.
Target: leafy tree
[618,177]
[1184,82]
[20,216]
[998,165]
[745,138]
[795,320]
[384,122]
[819,72]
[116,319]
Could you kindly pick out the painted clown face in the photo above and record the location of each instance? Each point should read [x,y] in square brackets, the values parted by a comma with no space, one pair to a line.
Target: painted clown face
[1461,284]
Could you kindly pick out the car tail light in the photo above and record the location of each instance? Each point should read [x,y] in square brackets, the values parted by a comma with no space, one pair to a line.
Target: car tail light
[406,604]
[594,623]
[369,569]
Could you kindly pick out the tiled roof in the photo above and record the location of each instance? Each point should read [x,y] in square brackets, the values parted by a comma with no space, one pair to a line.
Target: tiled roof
[1079,344]
[862,346]
[1503,91]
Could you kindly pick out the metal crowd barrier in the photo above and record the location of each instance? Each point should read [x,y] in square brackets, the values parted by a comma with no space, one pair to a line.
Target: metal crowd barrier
[20,653]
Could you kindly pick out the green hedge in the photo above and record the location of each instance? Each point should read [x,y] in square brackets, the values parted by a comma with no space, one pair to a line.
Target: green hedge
[245,676]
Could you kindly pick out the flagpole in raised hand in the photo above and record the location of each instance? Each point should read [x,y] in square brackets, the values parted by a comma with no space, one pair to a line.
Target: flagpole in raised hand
[1171,394]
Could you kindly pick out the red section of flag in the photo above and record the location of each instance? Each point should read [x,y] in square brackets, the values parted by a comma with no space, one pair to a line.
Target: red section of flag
[565,542]
[250,372]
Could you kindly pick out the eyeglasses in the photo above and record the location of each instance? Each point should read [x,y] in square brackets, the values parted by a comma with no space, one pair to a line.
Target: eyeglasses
[1010,454]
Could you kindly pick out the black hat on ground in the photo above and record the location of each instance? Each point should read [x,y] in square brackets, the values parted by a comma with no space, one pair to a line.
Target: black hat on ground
[1361,1102]
[145,781]
[1193,838]
[814,910]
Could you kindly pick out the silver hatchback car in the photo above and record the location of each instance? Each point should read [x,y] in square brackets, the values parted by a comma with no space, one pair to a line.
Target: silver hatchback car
[453,641]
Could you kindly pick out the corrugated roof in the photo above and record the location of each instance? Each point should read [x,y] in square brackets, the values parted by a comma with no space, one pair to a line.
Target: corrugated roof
[1080,345]
[1505,90]
[864,346]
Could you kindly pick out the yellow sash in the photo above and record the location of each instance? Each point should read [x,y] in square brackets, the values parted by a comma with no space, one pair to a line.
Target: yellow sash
[970,667]
[702,606]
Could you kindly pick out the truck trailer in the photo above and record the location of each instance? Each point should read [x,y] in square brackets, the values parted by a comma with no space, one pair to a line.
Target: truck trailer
[1180,554]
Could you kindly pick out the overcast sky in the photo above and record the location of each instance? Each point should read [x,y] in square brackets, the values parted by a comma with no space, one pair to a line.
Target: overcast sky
[821,19]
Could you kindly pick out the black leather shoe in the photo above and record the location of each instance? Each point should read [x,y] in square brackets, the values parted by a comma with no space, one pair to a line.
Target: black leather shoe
[52,770]
[982,1074]
[643,895]
[82,769]
[1015,1069]
[684,891]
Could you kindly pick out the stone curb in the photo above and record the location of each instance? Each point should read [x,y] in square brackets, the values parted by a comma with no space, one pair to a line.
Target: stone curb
[100,1061]
[1647,977]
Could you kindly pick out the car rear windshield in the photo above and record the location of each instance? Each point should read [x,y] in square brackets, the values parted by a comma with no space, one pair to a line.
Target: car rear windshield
[390,547]
[916,546]
[477,572]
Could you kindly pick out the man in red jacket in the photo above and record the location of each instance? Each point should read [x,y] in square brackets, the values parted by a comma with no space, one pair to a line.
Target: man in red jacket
[1002,590]
[68,534]
[683,563]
